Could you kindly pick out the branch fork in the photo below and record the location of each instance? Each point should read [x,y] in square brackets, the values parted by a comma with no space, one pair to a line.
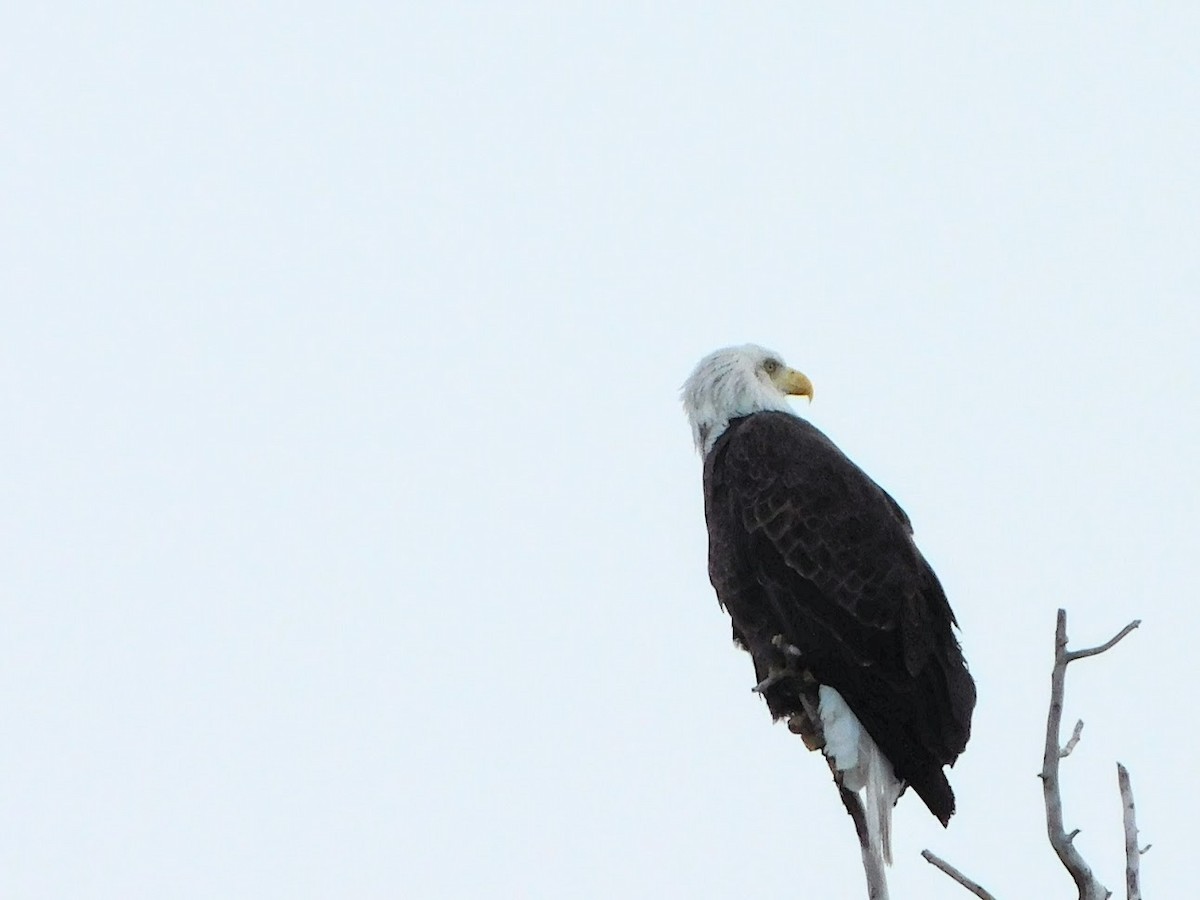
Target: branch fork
[1063,842]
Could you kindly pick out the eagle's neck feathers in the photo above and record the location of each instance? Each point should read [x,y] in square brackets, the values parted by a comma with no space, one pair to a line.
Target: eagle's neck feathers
[727,385]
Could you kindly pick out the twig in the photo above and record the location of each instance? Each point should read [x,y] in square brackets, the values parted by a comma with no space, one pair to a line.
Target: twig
[1074,739]
[958,876]
[1133,856]
[1089,886]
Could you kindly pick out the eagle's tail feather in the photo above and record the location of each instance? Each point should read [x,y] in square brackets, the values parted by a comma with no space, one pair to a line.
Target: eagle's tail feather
[868,784]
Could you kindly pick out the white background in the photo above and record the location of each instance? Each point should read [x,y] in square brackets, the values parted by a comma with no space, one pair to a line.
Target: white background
[353,538]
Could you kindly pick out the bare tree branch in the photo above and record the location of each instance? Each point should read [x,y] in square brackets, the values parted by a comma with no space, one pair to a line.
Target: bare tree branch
[1107,645]
[1089,886]
[1133,856]
[958,876]
[1063,842]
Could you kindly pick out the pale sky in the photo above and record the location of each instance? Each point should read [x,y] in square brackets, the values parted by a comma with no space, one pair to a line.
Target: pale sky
[354,540]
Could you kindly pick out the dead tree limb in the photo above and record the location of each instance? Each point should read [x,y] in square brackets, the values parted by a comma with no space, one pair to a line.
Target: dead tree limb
[1089,886]
[1133,854]
[937,861]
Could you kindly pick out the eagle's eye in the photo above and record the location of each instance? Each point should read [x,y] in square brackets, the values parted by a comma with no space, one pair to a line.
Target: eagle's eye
[771,366]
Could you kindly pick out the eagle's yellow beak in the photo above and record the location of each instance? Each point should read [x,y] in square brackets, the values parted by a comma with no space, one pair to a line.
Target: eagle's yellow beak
[795,383]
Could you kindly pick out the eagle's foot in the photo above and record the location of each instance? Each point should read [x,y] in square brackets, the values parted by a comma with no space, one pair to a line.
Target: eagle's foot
[812,734]
[774,676]
[784,647]
[807,722]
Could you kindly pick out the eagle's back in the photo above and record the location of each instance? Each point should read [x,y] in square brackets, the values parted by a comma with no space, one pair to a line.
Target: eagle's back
[803,544]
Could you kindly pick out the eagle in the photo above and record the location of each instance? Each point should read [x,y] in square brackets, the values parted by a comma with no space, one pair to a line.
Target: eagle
[851,635]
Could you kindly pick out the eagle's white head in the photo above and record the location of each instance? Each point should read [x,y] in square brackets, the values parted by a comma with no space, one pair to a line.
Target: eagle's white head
[734,382]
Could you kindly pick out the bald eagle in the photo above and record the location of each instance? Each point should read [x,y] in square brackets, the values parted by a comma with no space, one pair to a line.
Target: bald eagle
[850,633]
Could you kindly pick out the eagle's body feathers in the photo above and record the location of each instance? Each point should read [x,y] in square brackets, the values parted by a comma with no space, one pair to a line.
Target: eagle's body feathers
[808,554]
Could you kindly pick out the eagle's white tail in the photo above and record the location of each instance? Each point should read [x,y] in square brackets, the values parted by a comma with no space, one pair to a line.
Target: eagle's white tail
[861,769]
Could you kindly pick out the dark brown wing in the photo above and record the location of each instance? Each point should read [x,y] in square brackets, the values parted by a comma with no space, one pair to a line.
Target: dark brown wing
[803,544]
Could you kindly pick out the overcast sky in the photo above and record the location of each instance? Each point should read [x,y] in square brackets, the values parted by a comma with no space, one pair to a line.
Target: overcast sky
[353,535]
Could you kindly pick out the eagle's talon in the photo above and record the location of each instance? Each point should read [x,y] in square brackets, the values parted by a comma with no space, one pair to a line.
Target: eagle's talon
[784,647]
[774,676]
[809,730]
